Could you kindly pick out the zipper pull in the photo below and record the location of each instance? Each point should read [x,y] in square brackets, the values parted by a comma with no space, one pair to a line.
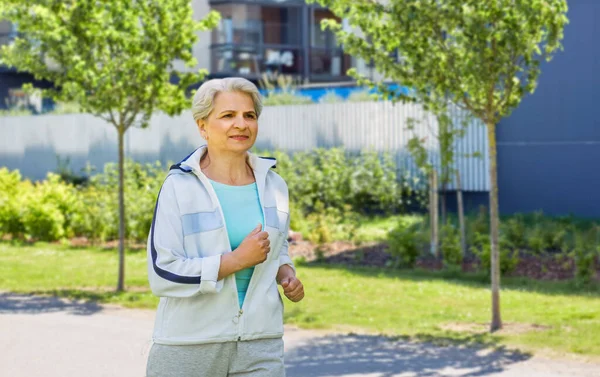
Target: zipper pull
[236,319]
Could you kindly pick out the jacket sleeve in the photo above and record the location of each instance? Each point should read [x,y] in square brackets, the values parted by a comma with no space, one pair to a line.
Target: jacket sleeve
[170,272]
[284,257]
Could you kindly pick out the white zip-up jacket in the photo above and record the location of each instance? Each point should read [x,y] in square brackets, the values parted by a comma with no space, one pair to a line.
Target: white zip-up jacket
[185,244]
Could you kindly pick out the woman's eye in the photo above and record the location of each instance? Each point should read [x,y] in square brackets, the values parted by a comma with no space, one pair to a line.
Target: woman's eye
[250,116]
[227,116]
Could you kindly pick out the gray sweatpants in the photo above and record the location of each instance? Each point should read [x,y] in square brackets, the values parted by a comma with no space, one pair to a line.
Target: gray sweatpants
[253,358]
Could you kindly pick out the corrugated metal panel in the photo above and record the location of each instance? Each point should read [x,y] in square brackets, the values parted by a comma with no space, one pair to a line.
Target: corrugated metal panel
[380,126]
[31,144]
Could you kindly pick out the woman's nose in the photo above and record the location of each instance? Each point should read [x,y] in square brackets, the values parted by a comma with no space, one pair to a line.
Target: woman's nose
[240,122]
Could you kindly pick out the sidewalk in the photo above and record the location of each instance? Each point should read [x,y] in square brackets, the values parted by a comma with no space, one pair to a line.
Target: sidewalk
[50,337]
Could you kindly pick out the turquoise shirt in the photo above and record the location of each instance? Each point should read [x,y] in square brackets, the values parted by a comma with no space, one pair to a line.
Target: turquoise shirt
[242,211]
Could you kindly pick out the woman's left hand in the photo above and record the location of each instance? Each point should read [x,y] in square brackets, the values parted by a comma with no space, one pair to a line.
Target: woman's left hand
[292,286]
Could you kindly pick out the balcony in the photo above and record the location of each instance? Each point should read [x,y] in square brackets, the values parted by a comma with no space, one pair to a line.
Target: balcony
[256,32]
[252,61]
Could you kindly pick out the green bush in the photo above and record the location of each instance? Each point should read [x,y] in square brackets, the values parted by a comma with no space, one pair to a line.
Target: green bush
[11,222]
[142,183]
[585,253]
[48,208]
[509,258]
[478,226]
[43,221]
[328,224]
[366,181]
[406,242]
[362,96]
[331,97]
[96,215]
[450,246]
[549,234]
[374,186]
[515,231]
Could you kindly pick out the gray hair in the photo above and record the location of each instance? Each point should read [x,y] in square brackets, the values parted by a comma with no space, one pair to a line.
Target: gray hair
[203,101]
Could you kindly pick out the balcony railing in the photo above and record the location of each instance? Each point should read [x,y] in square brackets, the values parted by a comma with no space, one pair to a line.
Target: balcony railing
[250,60]
[256,32]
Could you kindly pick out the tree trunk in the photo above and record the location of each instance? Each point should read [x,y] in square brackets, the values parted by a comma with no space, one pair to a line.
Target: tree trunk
[494,228]
[461,215]
[121,281]
[443,202]
[433,212]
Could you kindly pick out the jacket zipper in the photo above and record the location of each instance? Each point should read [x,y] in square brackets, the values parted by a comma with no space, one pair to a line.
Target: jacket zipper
[257,268]
[238,318]
[213,194]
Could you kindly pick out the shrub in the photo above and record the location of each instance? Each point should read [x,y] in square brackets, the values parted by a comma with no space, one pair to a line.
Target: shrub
[96,215]
[331,97]
[406,242]
[478,226]
[450,246]
[548,235]
[515,231]
[10,203]
[328,224]
[366,181]
[43,221]
[585,253]
[362,96]
[282,90]
[374,185]
[508,257]
[142,183]
[48,208]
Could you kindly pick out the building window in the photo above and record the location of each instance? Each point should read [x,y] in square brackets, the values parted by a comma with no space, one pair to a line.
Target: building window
[253,39]
[252,61]
[254,24]
[319,37]
[326,62]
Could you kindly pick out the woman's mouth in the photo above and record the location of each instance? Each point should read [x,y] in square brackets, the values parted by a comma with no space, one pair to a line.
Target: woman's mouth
[239,137]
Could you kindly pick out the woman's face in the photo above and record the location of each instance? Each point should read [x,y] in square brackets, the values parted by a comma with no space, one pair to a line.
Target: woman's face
[232,125]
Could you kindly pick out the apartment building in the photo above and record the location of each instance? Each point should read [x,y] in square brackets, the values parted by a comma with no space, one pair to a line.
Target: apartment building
[254,37]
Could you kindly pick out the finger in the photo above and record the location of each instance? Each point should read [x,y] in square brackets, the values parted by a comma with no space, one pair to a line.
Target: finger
[284,284]
[263,235]
[266,243]
[295,291]
[256,230]
[297,297]
[293,284]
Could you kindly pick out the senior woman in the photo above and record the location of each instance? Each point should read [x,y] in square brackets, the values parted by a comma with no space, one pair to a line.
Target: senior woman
[217,248]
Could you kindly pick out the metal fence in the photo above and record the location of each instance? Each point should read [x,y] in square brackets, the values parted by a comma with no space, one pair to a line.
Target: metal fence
[37,144]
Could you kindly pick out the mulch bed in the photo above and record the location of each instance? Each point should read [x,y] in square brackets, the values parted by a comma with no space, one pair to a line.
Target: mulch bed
[540,267]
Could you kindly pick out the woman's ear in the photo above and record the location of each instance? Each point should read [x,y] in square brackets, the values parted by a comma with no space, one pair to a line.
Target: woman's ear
[202,128]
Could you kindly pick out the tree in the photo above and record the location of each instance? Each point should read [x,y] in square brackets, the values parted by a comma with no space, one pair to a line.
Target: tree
[446,136]
[115,58]
[484,56]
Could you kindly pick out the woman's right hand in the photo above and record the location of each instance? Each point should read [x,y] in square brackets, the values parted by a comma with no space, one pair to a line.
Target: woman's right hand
[254,248]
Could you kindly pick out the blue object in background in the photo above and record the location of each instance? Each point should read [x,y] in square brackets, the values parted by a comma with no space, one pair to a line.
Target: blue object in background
[316,93]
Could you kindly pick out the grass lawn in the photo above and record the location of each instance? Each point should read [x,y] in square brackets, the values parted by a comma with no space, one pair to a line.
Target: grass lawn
[424,305]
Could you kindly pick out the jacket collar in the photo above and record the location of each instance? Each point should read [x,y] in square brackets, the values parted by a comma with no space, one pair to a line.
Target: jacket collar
[191,163]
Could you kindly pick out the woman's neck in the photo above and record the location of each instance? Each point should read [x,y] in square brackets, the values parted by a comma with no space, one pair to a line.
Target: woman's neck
[227,168]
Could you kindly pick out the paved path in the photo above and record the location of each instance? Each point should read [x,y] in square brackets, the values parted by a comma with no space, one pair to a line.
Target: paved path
[50,337]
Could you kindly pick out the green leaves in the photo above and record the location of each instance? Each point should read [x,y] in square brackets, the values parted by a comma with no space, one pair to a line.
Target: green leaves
[115,58]
[481,55]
